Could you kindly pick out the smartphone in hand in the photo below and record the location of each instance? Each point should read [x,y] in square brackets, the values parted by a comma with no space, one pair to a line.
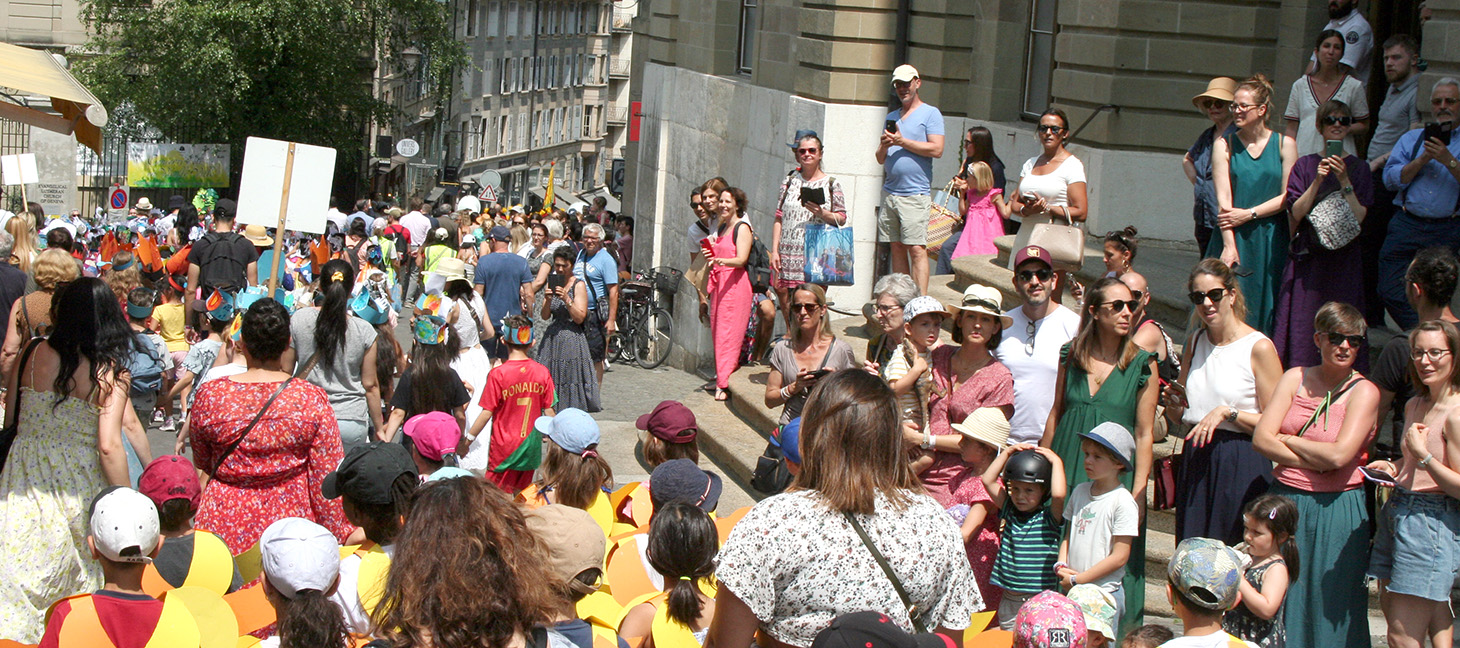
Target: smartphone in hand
[1437,131]
[891,126]
[1332,148]
[556,281]
[1378,477]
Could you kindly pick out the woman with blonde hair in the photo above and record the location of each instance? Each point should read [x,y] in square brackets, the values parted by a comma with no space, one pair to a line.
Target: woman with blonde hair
[807,351]
[24,252]
[31,315]
[123,275]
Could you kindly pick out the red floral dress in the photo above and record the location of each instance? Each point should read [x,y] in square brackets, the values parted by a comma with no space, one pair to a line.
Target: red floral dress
[983,546]
[277,471]
[991,386]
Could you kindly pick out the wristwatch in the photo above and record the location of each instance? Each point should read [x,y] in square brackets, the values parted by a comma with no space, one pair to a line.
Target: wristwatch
[1349,189]
[1231,414]
[1453,163]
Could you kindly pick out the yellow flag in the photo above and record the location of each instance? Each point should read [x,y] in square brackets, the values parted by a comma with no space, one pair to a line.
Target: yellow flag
[547,201]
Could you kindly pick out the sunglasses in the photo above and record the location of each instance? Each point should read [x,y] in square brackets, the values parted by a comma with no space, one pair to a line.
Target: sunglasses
[1197,298]
[806,151]
[1049,128]
[1138,295]
[804,308]
[1337,339]
[1213,103]
[1337,120]
[1043,274]
[1121,304]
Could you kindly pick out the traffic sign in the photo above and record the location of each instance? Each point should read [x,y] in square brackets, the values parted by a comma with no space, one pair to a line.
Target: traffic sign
[117,201]
[490,178]
[488,193]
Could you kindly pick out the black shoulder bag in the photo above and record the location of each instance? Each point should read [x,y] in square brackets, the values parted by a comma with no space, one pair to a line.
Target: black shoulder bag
[7,435]
[771,474]
[912,610]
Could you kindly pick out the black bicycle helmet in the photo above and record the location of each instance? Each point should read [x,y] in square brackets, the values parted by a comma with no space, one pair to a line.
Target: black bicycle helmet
[1029,467]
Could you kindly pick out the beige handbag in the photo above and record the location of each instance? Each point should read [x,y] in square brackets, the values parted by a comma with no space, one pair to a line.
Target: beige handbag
[1064,242]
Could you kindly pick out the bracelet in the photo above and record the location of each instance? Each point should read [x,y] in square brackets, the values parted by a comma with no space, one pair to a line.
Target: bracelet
[1424,463]
[786,393]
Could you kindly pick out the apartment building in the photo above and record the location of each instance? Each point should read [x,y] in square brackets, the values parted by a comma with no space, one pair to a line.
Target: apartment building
[725,84]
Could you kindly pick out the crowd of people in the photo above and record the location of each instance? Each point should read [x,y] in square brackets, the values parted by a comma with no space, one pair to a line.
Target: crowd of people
[332,485]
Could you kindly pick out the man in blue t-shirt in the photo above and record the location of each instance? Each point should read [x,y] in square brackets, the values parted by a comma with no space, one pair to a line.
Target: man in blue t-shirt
[596,267]
[505,284]
[906,153]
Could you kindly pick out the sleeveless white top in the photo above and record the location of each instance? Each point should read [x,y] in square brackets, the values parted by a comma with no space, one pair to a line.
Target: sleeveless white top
[1221,375]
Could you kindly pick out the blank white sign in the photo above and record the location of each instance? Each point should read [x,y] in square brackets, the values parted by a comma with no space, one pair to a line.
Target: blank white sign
[262,187]
[19,169]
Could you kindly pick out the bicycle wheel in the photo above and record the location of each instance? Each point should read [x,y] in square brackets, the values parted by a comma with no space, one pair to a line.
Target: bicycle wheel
[654,339]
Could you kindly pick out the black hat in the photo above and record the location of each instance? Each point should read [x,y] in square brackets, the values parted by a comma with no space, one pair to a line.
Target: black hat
[681,480]
[175,202]
[368,471]
[874,630]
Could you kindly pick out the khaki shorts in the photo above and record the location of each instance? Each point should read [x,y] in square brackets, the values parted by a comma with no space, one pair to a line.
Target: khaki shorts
[904,219]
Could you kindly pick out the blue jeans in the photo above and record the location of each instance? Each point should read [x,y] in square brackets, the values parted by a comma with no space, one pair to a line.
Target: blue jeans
[1408,235]
[945,254]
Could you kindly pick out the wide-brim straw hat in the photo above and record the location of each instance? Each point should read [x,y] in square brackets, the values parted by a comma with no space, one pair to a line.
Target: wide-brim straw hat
[986,424]
[1220,88]
[451,269]
[982,299]
[258,235]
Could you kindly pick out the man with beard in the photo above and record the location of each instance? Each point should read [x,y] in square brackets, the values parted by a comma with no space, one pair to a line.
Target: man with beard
[1397,115]
[1425,175]
[1358,36]
[1031,345]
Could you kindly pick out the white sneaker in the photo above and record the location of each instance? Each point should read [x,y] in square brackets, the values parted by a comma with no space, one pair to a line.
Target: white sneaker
[170,425]
[156,416]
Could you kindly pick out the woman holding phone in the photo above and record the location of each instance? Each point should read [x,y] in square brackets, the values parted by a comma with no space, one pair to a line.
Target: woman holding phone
[1250,170]
[795,211]
[1315,275]
[1316,429]
[729,287]
[1416,554]
[564,346]
[807,352]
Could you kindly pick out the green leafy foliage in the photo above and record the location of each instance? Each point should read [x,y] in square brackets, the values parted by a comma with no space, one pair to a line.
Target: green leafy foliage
[219,71]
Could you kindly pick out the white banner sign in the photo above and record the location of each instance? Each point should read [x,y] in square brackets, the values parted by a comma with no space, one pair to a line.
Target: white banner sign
[261,190]
[19,169]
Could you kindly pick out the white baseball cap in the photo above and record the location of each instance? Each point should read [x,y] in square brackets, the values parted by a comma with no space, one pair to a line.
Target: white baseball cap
[904,73]
[299,555]
[124,525]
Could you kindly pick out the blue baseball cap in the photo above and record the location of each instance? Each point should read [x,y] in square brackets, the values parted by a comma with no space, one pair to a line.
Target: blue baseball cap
[1117,440]
[790,441]
[572,429]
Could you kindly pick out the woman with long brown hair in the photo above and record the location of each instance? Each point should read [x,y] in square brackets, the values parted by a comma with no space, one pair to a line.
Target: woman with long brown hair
[854,475]
[467,573]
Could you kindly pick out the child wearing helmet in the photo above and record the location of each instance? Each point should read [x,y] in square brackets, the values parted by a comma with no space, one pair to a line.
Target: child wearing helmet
[1033,486]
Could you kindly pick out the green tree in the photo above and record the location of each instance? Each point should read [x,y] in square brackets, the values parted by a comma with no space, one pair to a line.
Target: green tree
[300,70]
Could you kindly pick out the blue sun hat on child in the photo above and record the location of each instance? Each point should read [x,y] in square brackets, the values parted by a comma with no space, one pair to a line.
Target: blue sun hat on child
[220,305]
[1117,440]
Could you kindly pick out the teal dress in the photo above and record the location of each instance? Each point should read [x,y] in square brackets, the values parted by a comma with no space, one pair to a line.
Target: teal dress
[1262,245]
[1116,401]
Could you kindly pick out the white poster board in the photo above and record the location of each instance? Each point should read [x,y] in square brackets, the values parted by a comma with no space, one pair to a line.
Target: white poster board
[19,169]
[261,190]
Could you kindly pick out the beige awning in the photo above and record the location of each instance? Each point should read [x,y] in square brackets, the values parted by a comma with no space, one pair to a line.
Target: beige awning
[36,72]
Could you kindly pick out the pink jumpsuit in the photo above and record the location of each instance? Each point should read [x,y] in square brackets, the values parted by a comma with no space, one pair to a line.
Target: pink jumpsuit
[730,303]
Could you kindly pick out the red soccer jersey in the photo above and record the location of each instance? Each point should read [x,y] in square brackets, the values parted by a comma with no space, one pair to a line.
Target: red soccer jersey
[516,394]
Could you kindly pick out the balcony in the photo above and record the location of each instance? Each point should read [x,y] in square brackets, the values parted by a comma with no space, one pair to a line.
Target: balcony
[617,115]
[618,68]
[623,21]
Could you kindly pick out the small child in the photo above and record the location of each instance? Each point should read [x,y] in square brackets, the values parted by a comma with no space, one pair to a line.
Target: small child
[518,391]
[1151,635]
[123,538]
[171,323]
[188,556]
[575,546]
[429,384]
[148,359]
[207,353]
[982,435]
[907,370]
[374,482]
[434,439]
[672,432]
[1034,483]
[1202,584]
[301,567]
[985,211]
[1099,609]
[573,473]
[1104,518]
[1049,620]
[682,547]
[1269,523]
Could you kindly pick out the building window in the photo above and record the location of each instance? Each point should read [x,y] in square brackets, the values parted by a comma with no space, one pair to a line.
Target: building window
[526,27]
[473,17]
[494,19]
[1039,55]
[512,20]
[749,27]
[504,133]
[525,80]
[522,131]
[487,76]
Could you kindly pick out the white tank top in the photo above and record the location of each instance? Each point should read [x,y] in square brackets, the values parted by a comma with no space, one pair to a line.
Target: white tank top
[1221,375]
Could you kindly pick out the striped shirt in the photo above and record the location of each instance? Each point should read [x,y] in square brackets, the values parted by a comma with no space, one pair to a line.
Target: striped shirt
[1028,550]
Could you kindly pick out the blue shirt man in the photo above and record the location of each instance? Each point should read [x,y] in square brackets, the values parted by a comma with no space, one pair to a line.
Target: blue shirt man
[503,280]
[596,268]
[906,151]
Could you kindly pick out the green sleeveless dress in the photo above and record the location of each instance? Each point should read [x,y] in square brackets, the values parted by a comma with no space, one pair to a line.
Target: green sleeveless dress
[1262,245]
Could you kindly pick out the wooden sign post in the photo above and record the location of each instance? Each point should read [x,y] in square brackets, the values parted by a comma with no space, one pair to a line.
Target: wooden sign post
[279,231]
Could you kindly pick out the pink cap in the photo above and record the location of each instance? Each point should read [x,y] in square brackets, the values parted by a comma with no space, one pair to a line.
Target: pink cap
[170,477]
[436,434]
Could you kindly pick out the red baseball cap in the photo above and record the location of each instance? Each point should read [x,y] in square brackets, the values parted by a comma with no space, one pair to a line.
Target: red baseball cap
[671,421]
[170,477]
[1033,253]
[434,433]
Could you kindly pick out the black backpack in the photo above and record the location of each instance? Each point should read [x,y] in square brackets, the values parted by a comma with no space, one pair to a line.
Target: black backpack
[225,265]
[758,264]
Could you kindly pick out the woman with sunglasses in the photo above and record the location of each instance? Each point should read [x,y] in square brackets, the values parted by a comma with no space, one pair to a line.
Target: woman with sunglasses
[1329,81]
[1052,184]
[1416,554]
[1250,170]
[1316,275]
[1104,376]
[1229,371]
[1216,105]
[1316,428]
[788,234]
[808,351]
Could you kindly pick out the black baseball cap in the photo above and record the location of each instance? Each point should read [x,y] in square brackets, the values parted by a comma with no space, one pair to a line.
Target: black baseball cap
[368,471]
[874,630]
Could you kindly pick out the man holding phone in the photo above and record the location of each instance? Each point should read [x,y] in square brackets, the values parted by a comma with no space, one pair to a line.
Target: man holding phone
[911,138]
[1424,172]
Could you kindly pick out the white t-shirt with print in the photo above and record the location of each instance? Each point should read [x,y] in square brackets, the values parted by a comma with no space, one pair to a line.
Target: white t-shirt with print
[1095,521]
[1213,640]
[1035,371]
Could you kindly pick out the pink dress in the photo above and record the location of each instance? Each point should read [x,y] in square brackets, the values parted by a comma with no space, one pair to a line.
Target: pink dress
[982,224]
[983,546]
[730,302]
[991,386]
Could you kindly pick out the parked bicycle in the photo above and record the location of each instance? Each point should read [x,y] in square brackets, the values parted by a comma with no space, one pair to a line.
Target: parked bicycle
[645,328]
